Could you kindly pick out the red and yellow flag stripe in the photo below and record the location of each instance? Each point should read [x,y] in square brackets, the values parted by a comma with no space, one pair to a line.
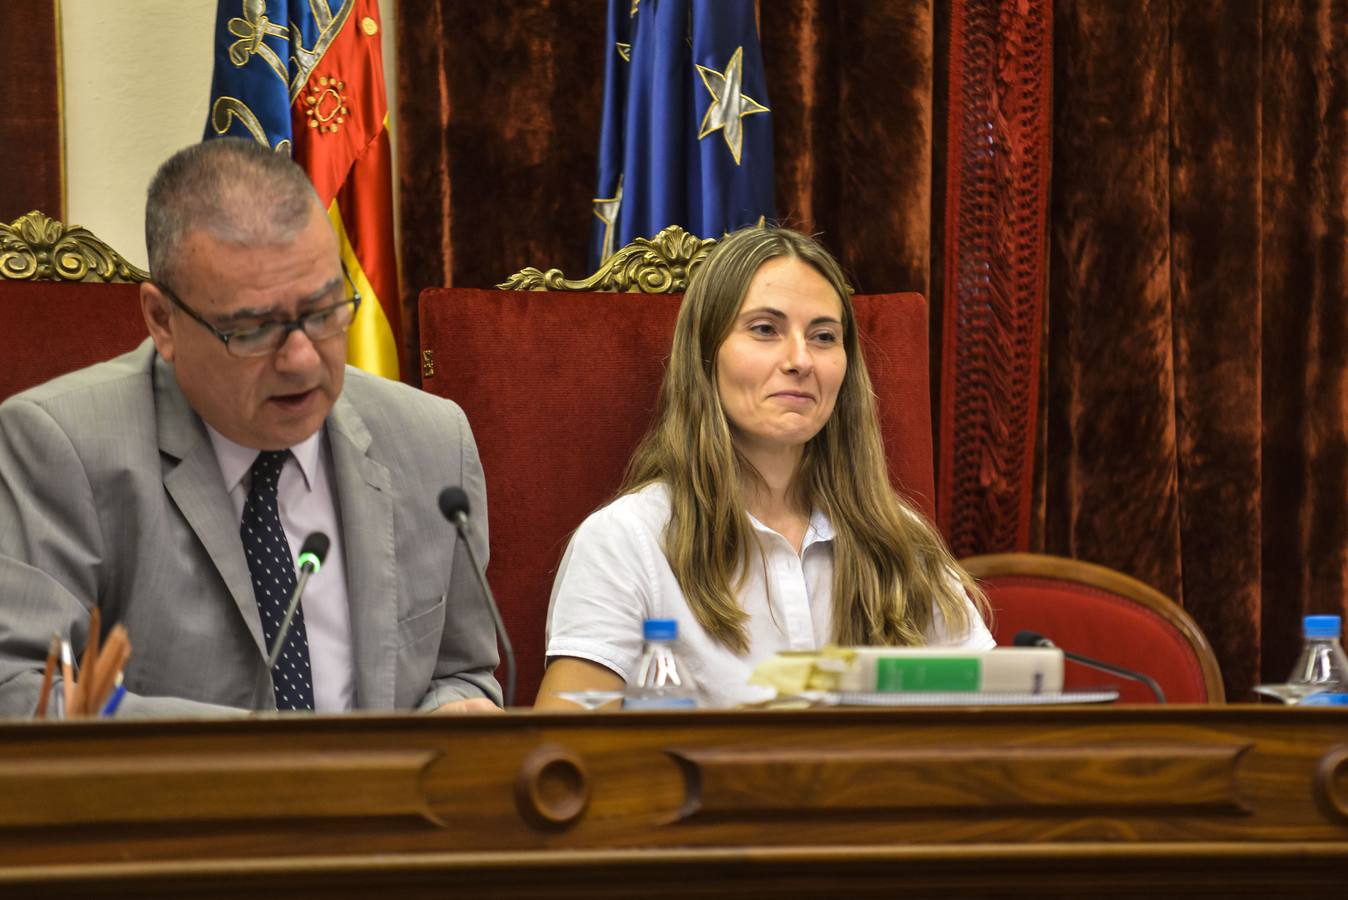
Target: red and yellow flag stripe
[340,118]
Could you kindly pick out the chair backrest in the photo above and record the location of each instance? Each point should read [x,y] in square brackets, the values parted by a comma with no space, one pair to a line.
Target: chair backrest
[560,387]
[1104,614]
[67,300]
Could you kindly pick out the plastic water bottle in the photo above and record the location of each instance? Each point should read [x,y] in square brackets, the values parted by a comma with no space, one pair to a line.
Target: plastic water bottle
[1322,665]
[662,682]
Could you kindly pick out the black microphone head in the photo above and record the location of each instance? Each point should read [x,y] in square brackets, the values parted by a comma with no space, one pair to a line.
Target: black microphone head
[1031,639]
[316,545]
[454,503]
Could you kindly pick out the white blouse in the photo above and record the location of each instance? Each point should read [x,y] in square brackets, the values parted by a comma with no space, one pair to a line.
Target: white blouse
[614,576]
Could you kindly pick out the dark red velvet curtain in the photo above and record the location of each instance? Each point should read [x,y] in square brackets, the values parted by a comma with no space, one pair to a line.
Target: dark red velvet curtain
[1192,430]
[999,103]
[30,114]
[851,88]
[1196,365]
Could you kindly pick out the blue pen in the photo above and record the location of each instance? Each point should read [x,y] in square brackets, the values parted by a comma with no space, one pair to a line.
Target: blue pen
[110,708]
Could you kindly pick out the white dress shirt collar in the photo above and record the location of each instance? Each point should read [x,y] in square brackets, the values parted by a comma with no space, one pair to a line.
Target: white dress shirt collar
[820,530]
[236,460]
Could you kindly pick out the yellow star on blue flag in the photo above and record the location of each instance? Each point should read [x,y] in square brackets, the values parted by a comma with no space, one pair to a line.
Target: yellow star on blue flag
[606,210]
[729,103]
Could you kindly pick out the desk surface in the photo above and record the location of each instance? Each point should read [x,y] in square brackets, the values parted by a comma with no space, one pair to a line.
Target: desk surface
[1104,801]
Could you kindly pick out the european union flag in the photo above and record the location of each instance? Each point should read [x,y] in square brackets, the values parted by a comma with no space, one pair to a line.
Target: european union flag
[687,131]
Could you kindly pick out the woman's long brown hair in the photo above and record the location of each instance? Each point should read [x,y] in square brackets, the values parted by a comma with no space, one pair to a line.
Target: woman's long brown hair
[890,566]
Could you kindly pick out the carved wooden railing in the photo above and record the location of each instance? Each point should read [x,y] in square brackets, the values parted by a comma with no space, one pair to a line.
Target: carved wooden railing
[1131,801]
[659,265]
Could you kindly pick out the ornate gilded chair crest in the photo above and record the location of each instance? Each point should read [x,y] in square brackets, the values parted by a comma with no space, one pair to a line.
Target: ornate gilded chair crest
[659,265]
[35,247]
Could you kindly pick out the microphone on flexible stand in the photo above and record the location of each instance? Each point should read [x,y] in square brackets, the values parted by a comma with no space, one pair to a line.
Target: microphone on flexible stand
[312,553]
[454,507]
[1034,639]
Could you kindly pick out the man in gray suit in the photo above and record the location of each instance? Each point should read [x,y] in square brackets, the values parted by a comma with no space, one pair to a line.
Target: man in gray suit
[138,485]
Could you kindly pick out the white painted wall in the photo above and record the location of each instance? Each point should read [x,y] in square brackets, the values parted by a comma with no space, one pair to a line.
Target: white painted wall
[137,79]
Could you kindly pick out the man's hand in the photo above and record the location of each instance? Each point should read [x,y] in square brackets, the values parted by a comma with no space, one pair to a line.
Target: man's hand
[471,705]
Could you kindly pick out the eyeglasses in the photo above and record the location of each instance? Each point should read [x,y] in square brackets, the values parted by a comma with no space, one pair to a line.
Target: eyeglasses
[317,325]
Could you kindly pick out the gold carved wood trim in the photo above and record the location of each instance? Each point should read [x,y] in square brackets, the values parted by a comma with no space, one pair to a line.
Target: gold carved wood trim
[659,265]
[36,247]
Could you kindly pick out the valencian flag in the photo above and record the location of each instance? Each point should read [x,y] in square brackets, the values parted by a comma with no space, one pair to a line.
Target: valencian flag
[305,77]
[687,131]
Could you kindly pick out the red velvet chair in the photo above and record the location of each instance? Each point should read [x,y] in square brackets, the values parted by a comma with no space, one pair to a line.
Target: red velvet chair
[1103,614]
[67,300]
[560,387]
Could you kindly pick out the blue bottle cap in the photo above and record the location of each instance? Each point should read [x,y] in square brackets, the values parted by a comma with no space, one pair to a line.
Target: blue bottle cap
[661,630]
[1321,626]
[1326,698]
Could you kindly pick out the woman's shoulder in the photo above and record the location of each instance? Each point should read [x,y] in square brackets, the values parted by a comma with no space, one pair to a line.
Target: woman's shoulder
[623,536]
[646,508]
[649,503]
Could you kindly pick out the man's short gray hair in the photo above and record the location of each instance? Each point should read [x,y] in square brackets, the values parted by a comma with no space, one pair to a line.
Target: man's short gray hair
[234,189]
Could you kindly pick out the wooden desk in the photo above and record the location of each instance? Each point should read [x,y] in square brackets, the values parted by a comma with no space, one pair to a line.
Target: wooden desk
[1131,801]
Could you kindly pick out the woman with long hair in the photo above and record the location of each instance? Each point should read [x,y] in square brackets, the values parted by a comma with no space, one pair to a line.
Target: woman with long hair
[757,512]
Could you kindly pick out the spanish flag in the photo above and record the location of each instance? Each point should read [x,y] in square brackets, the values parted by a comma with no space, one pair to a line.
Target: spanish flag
[306,77]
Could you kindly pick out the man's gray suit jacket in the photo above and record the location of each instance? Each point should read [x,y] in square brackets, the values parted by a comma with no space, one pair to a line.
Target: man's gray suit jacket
[110,495]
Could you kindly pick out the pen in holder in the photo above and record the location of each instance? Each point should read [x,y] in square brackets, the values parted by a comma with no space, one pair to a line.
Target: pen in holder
[118,692]
[48,675]
[98,688]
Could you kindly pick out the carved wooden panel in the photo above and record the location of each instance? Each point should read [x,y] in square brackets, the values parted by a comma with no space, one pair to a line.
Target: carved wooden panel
[1212,801]
[1115,780]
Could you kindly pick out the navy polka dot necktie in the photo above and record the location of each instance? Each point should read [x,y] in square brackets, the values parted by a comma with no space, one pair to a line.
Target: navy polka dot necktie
[273,571]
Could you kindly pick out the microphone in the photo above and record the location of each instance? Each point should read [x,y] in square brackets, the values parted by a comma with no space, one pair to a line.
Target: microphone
[312,552]
[1034,639]
[454,507]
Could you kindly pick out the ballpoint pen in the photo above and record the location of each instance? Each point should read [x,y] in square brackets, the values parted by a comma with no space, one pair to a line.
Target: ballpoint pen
[67,679]
[110,708]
